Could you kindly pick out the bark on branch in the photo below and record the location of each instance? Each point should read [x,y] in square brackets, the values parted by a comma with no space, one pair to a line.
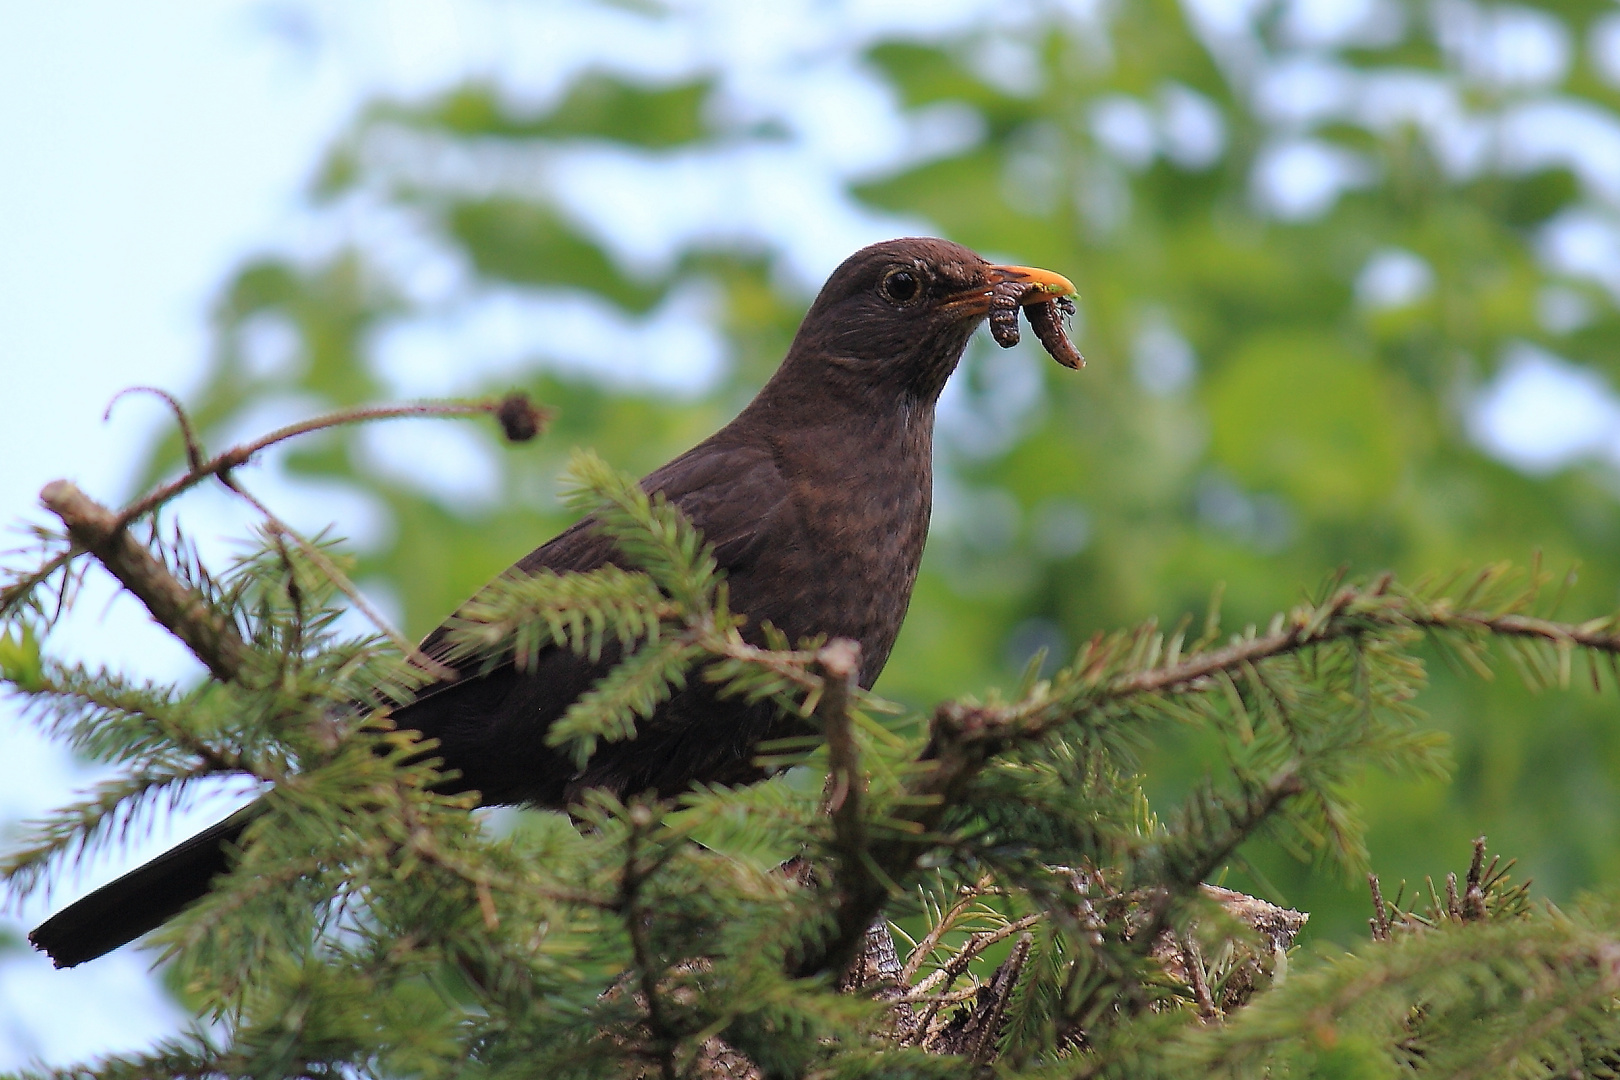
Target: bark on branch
[183,610]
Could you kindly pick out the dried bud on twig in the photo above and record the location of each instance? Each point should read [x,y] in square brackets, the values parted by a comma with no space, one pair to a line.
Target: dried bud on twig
[520,418]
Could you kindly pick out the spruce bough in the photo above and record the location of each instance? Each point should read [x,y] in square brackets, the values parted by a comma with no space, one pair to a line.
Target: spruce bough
[1060,923]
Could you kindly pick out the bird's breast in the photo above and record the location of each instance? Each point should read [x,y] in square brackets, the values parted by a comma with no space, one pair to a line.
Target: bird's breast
[862,520]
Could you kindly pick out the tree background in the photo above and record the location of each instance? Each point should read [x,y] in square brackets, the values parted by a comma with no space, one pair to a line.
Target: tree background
[1347,280]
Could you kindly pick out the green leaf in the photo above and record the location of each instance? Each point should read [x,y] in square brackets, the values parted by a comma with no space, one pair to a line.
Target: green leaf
[20,662]
[595,106]
[527,243]
[1301,413]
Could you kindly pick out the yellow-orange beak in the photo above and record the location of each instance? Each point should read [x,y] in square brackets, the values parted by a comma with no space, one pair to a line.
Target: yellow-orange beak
[1047,284]
[975,302]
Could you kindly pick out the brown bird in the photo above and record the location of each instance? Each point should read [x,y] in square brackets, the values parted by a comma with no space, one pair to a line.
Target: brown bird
[816,500]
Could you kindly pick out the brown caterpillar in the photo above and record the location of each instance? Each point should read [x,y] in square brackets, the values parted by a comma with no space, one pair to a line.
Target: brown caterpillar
[1004,299]
[1047,315]
[1049,319]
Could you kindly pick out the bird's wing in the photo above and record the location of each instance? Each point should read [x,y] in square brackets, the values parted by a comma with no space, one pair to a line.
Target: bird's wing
[491,727]
[733,492]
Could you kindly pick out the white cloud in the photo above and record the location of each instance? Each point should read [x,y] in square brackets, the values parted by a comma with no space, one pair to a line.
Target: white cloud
[1192,129]
[1124,125]
[1503,45]
[1577,135]
[1298,179]
[1582,243]
[1303,89]
[1393,278]
[1541,413]
[1162,359]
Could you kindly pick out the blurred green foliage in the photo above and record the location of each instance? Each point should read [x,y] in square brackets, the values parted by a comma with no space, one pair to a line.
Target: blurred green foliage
[1247,418]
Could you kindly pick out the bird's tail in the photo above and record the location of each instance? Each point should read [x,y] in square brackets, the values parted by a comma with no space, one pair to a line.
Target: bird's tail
[141,900]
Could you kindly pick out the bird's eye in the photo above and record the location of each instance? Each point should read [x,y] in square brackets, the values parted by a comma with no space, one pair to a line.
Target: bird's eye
[900,286]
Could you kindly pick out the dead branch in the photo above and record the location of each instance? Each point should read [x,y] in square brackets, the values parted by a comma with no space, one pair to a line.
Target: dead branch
[519,418]
[182,610]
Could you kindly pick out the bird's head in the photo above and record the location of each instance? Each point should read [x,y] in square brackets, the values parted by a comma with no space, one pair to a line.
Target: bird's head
[897,315]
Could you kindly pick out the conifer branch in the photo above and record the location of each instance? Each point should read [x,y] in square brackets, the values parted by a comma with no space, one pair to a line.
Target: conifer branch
[633,689]
[111,807]
[1199,856]
[23,587]
[1045,776]
[517,617]
[665,1038]
[225,906]
[940,980]
[839,662]
[1351,612]
[183,611]
[337,577]
[1561,968]
[95,528]
[947,921]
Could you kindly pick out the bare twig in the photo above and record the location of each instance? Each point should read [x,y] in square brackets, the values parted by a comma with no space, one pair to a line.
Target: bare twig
[955,997]
[188,434]
[1193,961]
[947,920]
[941,979]
[974,1035]
[934,990]
[839,662]
[102,532]
[1474,893]
[1380,919]
[1000,988]
[237,456]
[664,1036]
